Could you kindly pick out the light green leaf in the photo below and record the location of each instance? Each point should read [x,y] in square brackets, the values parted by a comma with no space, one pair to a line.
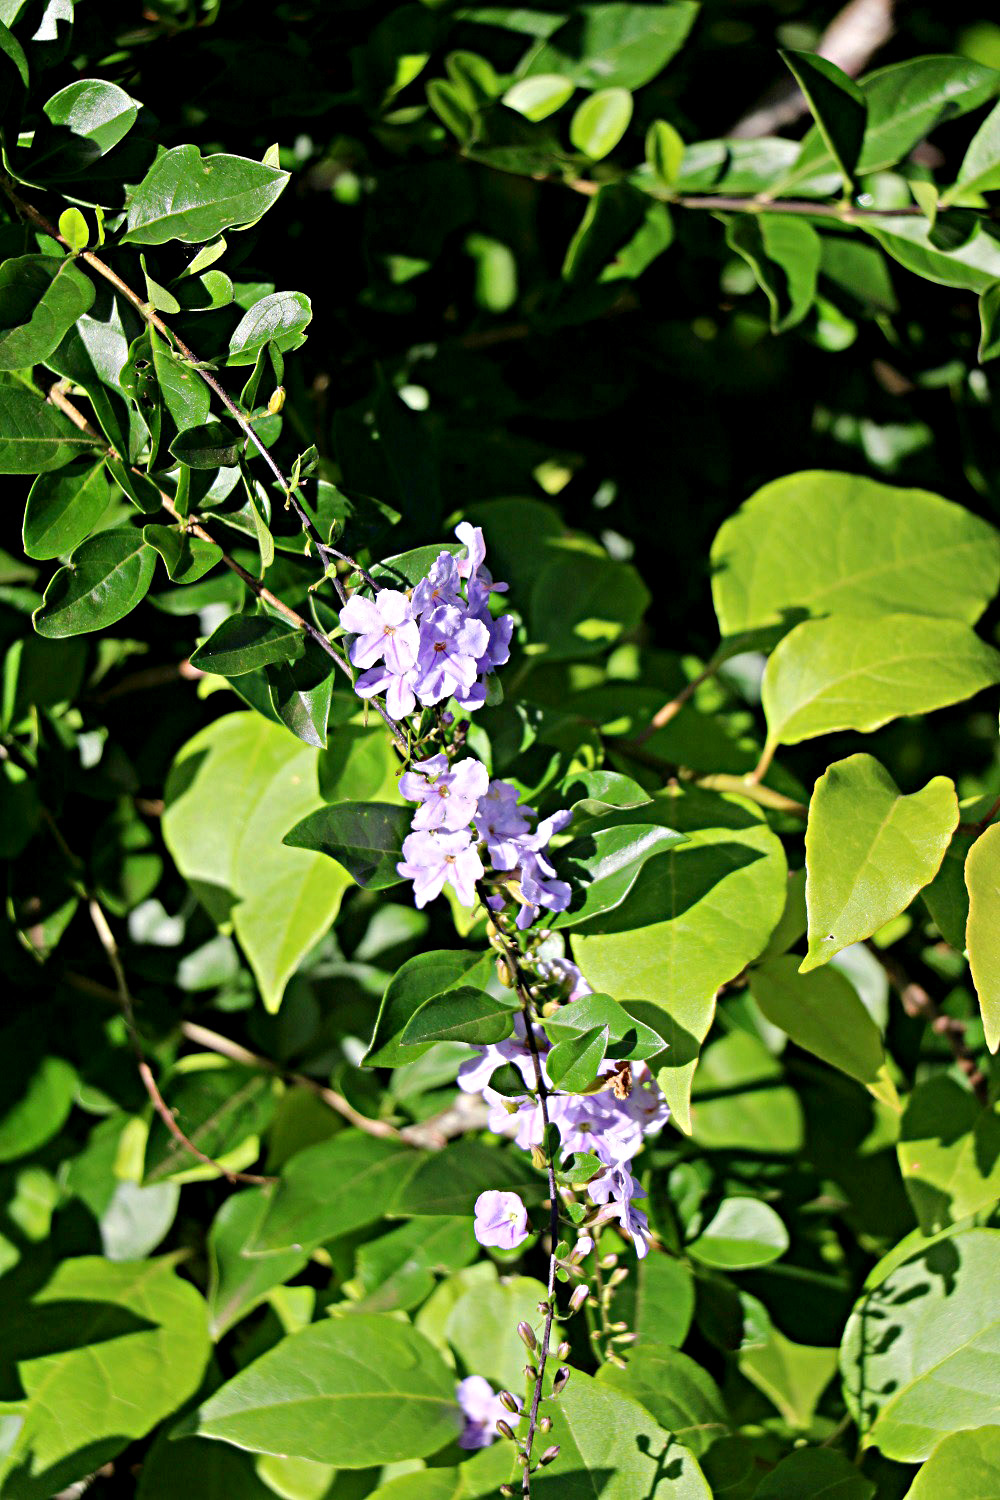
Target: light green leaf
[739,1101]
[949,1153]
[34,436]
[820,543]
[185,196]
[41,297]
[973,265]
[280,318]
[36,1107]
[694,918]
[664,152]
[982,934]
[600,121]
[820,1473]
[784,254]
[821,1013]
[793,1376]
[615,45]
[662,1290]
[134,1326]
[628,1038]
[481,1321]
[965,1466]
[354,1391]
[90,116]
[980,169]
[238,1283]
[612,1447]
[104,580]
[936,1374]
[540,95]
[242,643]
[73,228]
[742,1233]
[869,850]
[572,1064]
[231,795]
[847,672]
[682,1397]
[838,106]
[63,508]
[397,1269]
[218,1108]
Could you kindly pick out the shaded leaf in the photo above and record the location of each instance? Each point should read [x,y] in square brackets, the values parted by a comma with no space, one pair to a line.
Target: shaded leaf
[41,297]
[104,580]
[949,1153]
[63,508]
[365,837]
[743,1232]
[245,642]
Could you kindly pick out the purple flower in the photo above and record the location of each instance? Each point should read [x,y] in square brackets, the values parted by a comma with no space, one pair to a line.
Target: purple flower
[450,645]
[397,687]
[482,1410]
[471,538]
[441,586]
[447,796]
[501,1220]
[385,630]
[539,886]
[432,859]
[500,821]
[616,1188]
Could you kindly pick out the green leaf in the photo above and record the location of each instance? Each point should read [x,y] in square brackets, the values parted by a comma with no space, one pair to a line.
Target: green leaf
[930,1369]
[397,1269]
[449,1181]
[989,318]
[232,792]
[838,106]
[664,152]
[280,318]
[572,1064]
[604,865]
[982,879]
[599,123]
[301,694]
[742,1233]
[972,265]
[34,436]
[664,1295]
[613,216]
[365,837]
[73,228]
[194,1466]
[187,557]
[331,1189]
[694,918]
[92,1337]
[185,196]
[63,508]
[820,1473]
[104,580]
[980,169]
[682,1397]
[964,1466]
[238,1283]
[627,1037]
[581,604]
[89,118]
[354,1391]
[212,445]
[245,642]
[219,1109]
[949,1153]
[615,45]
[41,297]
[421,979]
[540,95]
[869,850]
[821,1013]
[819,543]
[35,1107]
[185,394]
[612,1447]
[740,1103]
[462,1014]
[784,254]
[847,672]
[452,105]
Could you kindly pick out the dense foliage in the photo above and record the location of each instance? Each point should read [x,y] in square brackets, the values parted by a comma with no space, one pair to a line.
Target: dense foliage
[337,1058]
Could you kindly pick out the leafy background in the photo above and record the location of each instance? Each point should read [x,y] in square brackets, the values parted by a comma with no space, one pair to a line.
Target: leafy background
[471,352]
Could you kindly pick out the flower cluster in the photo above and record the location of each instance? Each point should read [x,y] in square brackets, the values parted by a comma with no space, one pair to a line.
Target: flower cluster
[608,1126]
[443,849]
[435,643]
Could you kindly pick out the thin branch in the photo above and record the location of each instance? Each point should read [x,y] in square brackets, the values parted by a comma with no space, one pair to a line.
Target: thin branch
[764,796]
[670,710]
[917,1002]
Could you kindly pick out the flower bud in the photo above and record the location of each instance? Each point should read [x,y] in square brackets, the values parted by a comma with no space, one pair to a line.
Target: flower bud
[624,1338]
[617,1277]
[538,1158]
[503,974]
[618,1327]
[615,1359]
[608,1262]
[506,1491]
[562,1375]
[563,1350]
[527,1336]
[507,1400]
[531,1372]
[277,401]
[543,1308]
[545,1424]
[549,1455]
[579,1297]
[504,1428]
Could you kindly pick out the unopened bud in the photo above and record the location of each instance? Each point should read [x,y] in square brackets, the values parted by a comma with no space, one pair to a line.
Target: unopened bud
[503,974]
[624,1338]
[618,1327]
[504,1428]
[559,1384]
[545,1424]
[507,1400]
[579,1297]
[538,1158]
[543,1308]
[506,1491]
[277,401]
[527,1336]
[615,1359]
[617,1277]
[549,1455]
[522,1459]
[608,1262]
[562,1352]
[531,1372]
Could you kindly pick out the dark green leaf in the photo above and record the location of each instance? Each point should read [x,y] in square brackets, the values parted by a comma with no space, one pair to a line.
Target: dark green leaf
[104,580]
[218,1108]
[34,436]
[572,1064]
[615,45]
[949,1153]
[185,394]
[784,254]
[187,557]
[839,107]
[211,446]
[817,1472]
[245,642]
[603,866]
[237,1282]
[185,196]
[627,1037]
[421,979]
[280,319]
[462,1014]
[41,297]
[63,508]
[679,1394]
[366,838]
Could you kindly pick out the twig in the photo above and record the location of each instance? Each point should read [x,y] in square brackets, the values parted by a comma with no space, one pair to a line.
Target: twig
[670,710]
[981,824]
[847,213]
[764,796]
[918,1003]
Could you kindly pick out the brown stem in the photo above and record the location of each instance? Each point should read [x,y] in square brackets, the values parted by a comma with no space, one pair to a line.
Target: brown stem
[670,710]
[847,213]
[917,1002]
